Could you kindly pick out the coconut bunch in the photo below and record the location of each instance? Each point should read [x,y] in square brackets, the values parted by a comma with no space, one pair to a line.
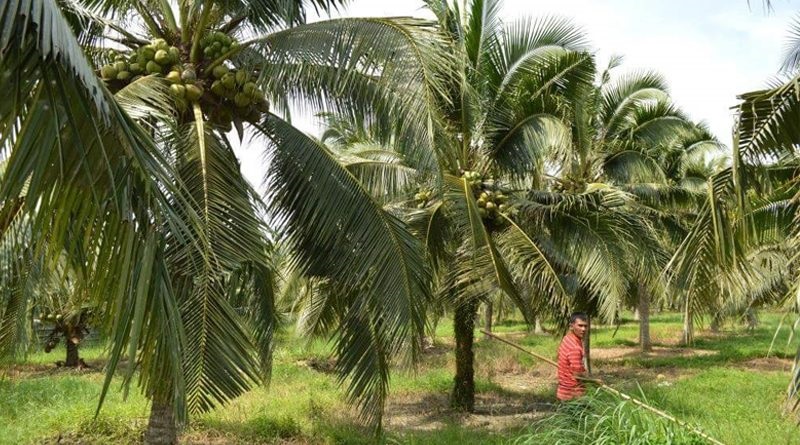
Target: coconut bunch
[234,93]
[491,199]
[423,198]
[50,317]
[236,96]
[228,91]
[157,57]
[217,44]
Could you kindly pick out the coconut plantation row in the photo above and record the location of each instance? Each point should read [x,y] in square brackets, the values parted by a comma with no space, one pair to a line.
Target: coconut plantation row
[469,174]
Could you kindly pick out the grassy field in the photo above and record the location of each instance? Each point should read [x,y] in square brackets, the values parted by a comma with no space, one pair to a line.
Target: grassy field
[726,385]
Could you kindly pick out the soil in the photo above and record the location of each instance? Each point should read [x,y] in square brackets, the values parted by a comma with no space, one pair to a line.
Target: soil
[620,353]
[519,400]
[26,371]
[493,411]
[767,364]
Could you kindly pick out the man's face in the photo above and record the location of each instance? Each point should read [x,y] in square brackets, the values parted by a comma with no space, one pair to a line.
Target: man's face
[578,327]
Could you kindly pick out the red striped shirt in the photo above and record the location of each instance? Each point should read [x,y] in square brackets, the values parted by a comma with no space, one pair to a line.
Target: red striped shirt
[570,363]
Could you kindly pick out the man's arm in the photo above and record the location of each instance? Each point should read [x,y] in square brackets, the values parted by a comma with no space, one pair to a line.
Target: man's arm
[575,359]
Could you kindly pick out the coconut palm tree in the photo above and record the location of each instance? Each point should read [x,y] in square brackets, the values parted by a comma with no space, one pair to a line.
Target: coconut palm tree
[491,216]
[671,199]
[766,163]
[621,127]
[117,150]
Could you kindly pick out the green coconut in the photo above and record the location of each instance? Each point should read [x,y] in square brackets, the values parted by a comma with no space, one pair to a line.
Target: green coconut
[160,44]
[219,71]
[162,57]
[249,88]
[229,81]
[188,75]
[174,54]
[178,90]
[108,72]
[241,77]
[148,52]
[152,67]
[174,77]
[217,88]
[193,93]
[241,100]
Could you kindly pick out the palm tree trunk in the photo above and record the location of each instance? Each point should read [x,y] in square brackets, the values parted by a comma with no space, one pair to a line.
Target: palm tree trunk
[72,354]
[463,397]
[587,345]
[161,428]
[716,322]
[487,320]
[688,324]
[537,325]
[751,319]
[644,319]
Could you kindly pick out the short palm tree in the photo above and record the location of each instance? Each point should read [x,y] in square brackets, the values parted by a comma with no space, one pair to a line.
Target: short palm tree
[622,128]
[116,147]
[766,163]
[486,209]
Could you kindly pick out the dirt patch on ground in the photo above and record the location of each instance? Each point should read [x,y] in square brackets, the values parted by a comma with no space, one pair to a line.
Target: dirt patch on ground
[621,353]
[493,411]
[216,438]
[324,365]
[32,371]
[767,364]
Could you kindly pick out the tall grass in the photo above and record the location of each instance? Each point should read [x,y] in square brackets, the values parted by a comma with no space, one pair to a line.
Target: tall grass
[600,419]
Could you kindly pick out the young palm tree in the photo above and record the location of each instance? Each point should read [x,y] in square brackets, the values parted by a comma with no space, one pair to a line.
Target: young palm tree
[766,163]
[487,212]
[621,128]
[122,160]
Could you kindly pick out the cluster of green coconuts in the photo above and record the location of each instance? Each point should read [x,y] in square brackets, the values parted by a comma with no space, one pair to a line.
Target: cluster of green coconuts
[423,197]
[51,317]
[492,202]
[229,93]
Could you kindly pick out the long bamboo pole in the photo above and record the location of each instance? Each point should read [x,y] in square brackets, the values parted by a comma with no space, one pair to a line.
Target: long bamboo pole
[613,391]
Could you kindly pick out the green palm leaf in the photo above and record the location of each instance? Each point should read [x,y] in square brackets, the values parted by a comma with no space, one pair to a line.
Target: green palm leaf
[328,217]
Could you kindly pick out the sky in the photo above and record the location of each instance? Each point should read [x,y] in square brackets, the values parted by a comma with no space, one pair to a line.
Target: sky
[708,50]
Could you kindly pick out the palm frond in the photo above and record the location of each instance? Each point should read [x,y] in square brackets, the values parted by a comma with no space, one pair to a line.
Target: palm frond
[364,67]
[791,56]
[39,29]
[218,364]
[767,127]
[624,96]
[341,233]
[482,30]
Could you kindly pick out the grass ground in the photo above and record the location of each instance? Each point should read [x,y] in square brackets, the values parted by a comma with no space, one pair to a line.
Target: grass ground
[726,386]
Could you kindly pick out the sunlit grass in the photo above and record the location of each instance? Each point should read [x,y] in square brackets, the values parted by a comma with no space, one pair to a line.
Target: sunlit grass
[306,404]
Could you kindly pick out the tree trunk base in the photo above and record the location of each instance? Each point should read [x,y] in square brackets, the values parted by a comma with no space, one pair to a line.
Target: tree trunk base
[487,323]
[644,319]
[161,428]
[73,361]
[538,329]
[463,396]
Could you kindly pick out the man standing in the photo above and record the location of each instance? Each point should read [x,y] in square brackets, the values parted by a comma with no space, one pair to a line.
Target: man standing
[570,359]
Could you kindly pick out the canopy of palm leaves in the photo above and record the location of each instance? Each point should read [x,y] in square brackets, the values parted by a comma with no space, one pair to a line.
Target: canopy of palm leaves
[766,176]
[145,191]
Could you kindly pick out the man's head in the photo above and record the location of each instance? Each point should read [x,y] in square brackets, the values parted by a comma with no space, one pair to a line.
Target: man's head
[578,323]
